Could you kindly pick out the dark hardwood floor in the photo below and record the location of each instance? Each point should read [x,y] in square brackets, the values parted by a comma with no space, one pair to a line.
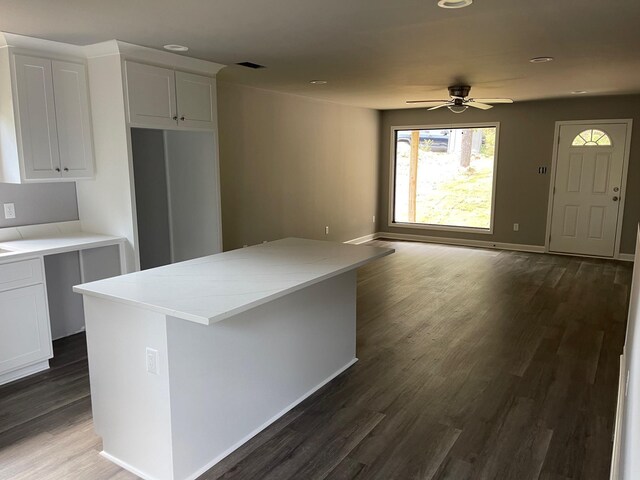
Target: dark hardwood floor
[474,364]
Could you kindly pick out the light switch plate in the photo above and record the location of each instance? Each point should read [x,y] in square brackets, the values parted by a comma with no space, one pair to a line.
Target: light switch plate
[9,211]
[152,361]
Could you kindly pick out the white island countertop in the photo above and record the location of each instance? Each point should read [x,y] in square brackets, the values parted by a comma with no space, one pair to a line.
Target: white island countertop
[209,289]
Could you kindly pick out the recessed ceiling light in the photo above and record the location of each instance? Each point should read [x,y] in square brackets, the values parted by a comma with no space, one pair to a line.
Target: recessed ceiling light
[454,3]
[176,48]
[541,59]
[318,82]
[579,92]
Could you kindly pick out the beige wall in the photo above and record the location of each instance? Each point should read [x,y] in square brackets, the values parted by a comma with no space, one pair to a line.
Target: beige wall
[526,142]
[290,165]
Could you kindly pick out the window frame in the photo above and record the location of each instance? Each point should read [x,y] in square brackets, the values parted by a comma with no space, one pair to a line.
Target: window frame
[392,178]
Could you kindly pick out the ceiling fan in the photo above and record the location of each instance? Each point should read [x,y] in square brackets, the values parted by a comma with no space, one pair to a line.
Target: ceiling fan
[460,100]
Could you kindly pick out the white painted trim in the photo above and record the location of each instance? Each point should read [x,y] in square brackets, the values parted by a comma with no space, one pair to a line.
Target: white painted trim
[617,431]
[39,46]
[623,184]
[444,228]
[462,242]
[24,371]
[242,441]
[363,239]
[392,161]
[126,466]
[518,247]
[152,56]
[626,257]
[165,150]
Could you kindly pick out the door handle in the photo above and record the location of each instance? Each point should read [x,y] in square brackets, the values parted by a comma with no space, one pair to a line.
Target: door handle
[615,199]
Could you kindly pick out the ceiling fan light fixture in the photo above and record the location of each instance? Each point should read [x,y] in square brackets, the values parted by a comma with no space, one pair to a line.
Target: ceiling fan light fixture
[458,108]
[579,92]
[454,3]
[318,82]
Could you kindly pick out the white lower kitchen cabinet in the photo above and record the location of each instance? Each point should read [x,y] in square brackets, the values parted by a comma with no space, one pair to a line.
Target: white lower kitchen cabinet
[39,265]
[25,343]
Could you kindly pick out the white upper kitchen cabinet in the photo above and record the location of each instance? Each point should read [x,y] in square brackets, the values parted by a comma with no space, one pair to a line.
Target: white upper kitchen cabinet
[195,99]
[151,95]
[169,99]
[46,135]
[37,117]
[75,139]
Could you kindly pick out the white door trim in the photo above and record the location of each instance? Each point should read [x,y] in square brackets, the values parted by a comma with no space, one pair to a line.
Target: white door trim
[623,186]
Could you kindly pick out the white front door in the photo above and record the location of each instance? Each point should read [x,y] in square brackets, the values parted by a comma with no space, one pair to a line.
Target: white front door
[588,188]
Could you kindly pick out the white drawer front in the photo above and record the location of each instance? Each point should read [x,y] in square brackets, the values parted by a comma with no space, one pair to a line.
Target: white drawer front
[21,273]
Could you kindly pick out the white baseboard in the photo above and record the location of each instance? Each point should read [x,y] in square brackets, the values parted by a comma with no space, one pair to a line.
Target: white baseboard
[364,239]
[126,466]
[619,420]
[23,372]
[518,247]
[462,242]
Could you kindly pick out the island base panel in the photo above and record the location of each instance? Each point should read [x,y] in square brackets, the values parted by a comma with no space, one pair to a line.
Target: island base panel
[217,386]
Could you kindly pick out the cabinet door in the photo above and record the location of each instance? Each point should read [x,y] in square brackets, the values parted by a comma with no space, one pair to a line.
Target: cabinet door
[196,99]
[151,94]
[24,324]
[73,119]
[37,117]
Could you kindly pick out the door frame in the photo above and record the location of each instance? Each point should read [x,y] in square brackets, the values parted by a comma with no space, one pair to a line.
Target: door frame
[623,184]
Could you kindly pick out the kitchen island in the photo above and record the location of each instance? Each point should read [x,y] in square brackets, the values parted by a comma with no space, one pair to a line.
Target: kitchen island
[189,361]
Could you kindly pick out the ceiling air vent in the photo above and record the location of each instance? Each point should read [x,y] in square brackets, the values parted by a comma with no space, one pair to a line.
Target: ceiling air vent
[250,65]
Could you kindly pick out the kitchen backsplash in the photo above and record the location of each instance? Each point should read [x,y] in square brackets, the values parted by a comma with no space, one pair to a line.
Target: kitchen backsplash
[39,203]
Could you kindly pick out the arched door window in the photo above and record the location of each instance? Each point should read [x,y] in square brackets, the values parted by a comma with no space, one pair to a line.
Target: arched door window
[591,138]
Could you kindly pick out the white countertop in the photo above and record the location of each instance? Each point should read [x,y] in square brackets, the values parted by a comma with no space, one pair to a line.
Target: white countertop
[51,244]
[209,289]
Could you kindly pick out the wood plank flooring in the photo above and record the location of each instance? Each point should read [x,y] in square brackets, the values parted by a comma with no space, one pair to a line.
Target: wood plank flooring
[474,364]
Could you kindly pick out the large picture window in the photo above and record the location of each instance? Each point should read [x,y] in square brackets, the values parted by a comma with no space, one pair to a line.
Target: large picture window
[444,177]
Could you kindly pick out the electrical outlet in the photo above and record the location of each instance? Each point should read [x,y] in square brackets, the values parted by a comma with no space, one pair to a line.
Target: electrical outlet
[152,361]
[9,211]
[516,227]
[326,230]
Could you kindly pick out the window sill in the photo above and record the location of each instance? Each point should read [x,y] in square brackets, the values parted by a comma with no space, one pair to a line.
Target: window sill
[443,228]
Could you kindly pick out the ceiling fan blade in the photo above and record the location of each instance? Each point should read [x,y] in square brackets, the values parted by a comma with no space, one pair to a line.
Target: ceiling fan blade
[426,101]
[481,106]
[493,100]
[440,106]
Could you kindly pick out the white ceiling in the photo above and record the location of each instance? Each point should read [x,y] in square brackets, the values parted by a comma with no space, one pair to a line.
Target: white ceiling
[373,53]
